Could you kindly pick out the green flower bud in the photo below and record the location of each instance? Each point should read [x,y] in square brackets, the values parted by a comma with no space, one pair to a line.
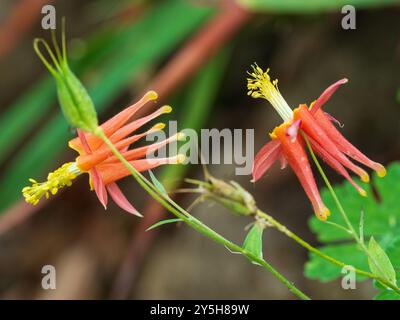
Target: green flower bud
[229,194]
[75,102]
[232,196]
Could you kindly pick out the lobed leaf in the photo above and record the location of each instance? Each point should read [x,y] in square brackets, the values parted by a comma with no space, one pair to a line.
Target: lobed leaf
[381,221]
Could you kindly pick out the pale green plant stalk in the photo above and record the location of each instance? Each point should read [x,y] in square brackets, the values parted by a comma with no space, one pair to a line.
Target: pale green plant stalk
[179,212]
[280,227]
[207,190]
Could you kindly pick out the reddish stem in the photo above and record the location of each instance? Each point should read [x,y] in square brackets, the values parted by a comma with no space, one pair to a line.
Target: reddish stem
[19,21]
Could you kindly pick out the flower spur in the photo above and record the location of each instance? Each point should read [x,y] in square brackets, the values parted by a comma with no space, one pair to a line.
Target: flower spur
[315,125]
[103,167]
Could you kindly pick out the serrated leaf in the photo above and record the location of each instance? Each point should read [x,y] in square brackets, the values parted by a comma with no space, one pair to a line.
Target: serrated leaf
[162,222]
[253,241]
[387,295]
[379,263]
[381,220]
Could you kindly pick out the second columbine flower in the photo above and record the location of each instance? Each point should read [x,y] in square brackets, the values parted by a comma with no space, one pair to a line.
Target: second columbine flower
[315,125]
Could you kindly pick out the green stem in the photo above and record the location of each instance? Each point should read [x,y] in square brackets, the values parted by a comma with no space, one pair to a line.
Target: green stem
[179,212]
[345,217]
[309,247]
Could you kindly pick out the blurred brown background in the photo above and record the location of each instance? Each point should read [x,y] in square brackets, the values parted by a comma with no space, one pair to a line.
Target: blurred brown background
[88,245]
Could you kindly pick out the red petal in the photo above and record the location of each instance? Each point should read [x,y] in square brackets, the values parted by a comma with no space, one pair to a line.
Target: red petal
[333,119]
[325,96]
[119,198]
[113,124]
[311,127]
[98,184]
[265,158]
[111,172]
[141,152]
[83,141]
[116,122]
[134,125]
[99,187]
[334,164]
[297,159]
[88,161]
[345,146]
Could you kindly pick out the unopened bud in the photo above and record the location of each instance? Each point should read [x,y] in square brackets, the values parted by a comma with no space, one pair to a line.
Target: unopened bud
[75,102]
[229,194]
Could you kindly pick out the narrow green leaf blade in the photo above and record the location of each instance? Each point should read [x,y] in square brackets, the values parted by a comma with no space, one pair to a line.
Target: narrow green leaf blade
[158,184]
[162,222]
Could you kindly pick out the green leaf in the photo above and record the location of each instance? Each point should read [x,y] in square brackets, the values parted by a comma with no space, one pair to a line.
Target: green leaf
[158,184]
[393,252]
[310,6]
[387,295]
[162,222]
[253,241]
[379,262]
[317,268]
[381,220]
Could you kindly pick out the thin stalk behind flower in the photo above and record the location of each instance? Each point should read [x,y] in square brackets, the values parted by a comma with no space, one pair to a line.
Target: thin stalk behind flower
[234,205]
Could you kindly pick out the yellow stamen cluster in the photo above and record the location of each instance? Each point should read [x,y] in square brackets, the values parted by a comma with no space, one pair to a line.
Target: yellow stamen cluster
[56,180]
[261,86]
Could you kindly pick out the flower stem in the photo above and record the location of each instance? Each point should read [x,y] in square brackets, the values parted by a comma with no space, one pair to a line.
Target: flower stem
[346,219]
[179,212]
[307,246]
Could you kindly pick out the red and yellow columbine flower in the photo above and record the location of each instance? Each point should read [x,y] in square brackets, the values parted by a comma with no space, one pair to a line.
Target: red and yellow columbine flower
[103,167]
[316,125]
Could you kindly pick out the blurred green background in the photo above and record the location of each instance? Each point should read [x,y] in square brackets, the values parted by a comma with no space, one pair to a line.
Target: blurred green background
[196,54]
